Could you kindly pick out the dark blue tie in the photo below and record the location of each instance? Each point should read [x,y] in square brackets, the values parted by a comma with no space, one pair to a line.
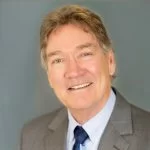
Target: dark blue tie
[80,136]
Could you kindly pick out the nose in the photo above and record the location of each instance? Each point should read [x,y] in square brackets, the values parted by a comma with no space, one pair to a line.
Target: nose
[73,69]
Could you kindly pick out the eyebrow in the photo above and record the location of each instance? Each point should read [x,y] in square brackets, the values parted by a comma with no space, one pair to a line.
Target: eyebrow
[79,47]
[86,45]
[50,54]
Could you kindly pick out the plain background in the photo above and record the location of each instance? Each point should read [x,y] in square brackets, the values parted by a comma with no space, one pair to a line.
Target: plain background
[24,90]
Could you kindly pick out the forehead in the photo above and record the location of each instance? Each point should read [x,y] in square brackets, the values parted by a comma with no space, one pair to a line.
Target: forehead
[69,36]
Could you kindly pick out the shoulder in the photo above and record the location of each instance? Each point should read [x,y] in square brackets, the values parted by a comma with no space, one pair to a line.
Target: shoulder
[34,131]
[140,118]
[41,121]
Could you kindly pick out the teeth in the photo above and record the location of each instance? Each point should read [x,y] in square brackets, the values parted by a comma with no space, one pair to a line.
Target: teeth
[80,86]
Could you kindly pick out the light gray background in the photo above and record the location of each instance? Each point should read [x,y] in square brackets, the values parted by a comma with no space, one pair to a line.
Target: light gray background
[24,90]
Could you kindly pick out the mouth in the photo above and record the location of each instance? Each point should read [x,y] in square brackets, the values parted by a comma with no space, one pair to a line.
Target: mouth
[80,86]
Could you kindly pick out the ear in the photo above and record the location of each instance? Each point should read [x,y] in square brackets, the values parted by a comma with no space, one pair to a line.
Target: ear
[111,62]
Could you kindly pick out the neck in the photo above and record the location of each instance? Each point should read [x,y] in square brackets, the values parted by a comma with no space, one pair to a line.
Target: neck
[83,115]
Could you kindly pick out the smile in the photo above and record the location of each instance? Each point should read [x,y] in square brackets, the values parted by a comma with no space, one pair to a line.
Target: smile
[81,86]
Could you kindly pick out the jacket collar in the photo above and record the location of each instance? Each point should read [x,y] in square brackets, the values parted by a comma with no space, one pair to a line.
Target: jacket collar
[121,115]
[57,133]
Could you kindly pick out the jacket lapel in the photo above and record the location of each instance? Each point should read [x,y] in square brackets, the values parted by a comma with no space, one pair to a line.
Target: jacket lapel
[111,140]
[119,125]
[56,137]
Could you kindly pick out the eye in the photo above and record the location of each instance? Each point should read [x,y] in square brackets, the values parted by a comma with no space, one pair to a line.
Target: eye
[57,60]
[86,54]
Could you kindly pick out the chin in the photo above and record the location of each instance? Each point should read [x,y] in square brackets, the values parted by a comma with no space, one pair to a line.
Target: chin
[79,106]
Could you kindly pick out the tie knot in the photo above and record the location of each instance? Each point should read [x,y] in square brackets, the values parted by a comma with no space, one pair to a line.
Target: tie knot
[80,134]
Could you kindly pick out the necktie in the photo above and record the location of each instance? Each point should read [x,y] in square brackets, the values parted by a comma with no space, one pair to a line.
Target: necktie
[80,136]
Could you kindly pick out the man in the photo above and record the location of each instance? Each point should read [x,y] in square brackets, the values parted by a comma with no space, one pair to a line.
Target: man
[77,55]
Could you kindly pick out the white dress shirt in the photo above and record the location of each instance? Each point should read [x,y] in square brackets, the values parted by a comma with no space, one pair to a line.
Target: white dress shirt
[94,127]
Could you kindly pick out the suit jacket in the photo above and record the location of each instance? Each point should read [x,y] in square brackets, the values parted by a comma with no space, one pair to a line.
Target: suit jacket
[127,129]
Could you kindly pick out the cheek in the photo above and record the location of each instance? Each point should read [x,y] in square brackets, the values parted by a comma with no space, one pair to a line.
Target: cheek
[95,68]
[99,70]
[55,77]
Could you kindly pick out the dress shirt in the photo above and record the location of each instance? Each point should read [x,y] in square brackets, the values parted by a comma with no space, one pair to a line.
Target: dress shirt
[94,127]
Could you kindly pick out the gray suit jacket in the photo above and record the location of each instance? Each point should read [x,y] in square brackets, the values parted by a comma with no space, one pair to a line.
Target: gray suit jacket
[127,129]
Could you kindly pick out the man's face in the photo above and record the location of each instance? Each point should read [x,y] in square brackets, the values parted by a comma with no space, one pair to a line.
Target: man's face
[78,70]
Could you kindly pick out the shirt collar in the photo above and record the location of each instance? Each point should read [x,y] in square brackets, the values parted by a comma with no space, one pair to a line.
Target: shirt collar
[72,125]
